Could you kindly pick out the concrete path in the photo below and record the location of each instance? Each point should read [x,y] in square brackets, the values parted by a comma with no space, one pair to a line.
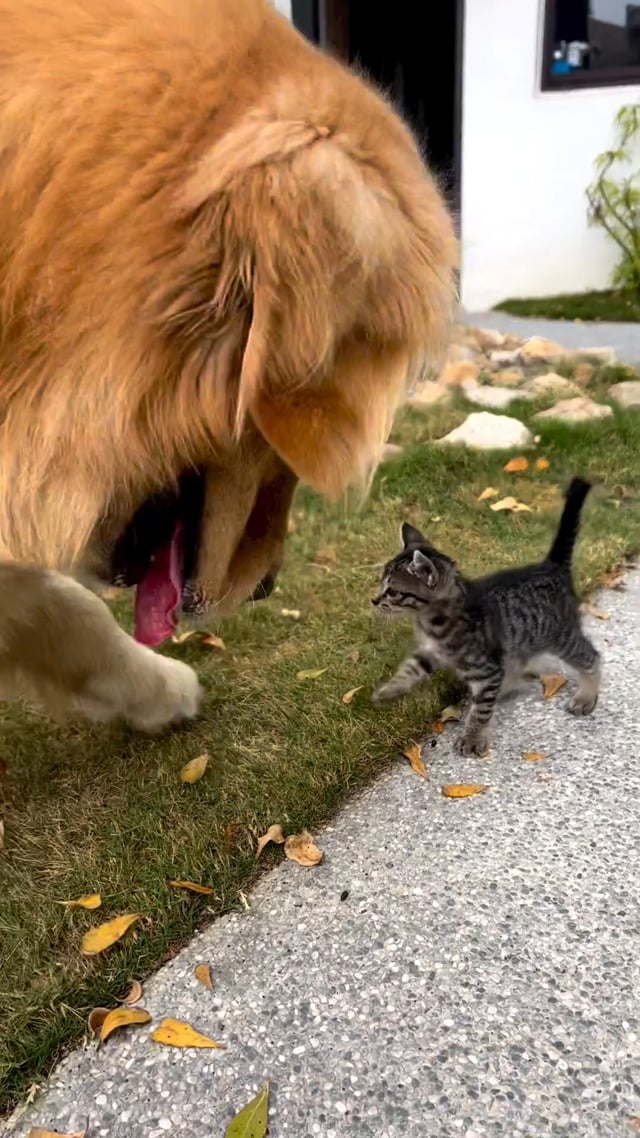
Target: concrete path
[454,969]
[625,338]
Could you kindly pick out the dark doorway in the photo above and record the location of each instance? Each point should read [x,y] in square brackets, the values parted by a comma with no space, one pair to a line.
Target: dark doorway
[413,51]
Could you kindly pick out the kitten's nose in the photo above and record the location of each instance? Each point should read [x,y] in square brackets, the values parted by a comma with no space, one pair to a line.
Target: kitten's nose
[375,600]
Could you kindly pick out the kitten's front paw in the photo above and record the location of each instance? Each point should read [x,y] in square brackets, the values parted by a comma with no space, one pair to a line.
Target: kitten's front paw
[386,693]
[473,743]
[582,705]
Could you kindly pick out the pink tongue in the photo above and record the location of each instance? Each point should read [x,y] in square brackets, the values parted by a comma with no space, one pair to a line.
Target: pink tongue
[159,593]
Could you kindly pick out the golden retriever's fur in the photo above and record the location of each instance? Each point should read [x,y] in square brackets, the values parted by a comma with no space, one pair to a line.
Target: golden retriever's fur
[218,250]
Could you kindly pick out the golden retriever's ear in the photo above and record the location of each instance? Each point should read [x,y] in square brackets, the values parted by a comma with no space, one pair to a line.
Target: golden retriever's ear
[332,431]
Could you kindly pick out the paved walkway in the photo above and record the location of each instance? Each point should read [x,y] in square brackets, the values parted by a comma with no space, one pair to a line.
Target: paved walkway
[454,969]
[625,338]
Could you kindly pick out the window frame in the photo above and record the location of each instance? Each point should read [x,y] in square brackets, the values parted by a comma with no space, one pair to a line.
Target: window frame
[578,80]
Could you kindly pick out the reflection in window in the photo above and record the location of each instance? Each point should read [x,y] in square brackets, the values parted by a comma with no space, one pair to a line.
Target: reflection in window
[592,41]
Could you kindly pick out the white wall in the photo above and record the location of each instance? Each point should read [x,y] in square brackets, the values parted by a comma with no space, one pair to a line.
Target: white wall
[283,6]
[527,157]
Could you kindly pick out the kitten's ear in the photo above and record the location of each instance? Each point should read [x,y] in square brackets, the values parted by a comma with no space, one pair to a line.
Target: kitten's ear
[422,566]
[411,536]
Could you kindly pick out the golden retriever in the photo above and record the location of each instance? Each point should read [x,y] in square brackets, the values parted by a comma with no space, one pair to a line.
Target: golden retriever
[221,259]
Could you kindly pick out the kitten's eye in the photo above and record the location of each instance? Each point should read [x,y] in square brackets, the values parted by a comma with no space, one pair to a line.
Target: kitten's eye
[393,594]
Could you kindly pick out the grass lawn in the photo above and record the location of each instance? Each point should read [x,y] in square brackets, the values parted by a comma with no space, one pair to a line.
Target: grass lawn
[612,304]
[87,810]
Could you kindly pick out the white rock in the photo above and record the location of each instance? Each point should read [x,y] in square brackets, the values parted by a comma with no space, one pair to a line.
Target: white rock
[627,394]
[505,357]
[553,384]
[483,431]
[537,349]
[428,394]
[579,410]
[485,395]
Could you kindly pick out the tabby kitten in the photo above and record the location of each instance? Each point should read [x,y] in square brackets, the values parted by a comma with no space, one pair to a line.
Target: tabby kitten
[489,630]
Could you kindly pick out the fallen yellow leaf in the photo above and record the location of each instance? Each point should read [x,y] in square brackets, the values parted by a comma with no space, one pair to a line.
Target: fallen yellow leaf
[348,695]
[252,1121]
[533,756]
[175,1033]
[488,493]
[38,1132]
[542,464]
[437,727]
[551,684]
[202,972]
[516,465]
[301,849]
[212,641]
[292,614]
[273,834]
[96,940]
[414,755]
[463,790]
[591,611]
[451,715]
[182,637]
[134,994]
[510,504]
[193,887]
[310,673]
[90,901]
[194,769]
[96,1019]
[122,1017]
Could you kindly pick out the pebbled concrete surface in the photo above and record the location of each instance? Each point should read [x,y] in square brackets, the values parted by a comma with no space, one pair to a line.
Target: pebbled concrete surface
[625,338]
[481,979]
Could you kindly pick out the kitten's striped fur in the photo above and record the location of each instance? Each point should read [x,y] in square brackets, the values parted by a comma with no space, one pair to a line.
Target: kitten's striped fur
[488,631]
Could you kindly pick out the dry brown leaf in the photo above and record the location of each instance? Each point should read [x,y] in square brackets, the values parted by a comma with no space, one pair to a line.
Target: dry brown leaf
[551,684]
[202,972]
[615,579]
[542,464]
[635,1122]
[310,673]
[122,1017]
[212,641]
[451,714]
[193,887]
[273,834]
[510,504]
[96,1019]
[437,727]
[176,1033]
[326,556]
[355,655]
[182,637]
[348,695]
[103,936]
[516,465]
[194,769]
[533,756]
[244,901]
[490,492]
[230,833]
[591,611]
[38,1132]
[414,755]
[134,994]
[463,790]
[302,849]
[89,901]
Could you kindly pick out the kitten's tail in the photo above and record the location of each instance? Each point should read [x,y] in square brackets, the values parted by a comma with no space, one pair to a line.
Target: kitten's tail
[561,551]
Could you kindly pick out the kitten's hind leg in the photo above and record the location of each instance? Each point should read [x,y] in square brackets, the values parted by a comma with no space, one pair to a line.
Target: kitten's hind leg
[412,671]
[581,655]
[484,696]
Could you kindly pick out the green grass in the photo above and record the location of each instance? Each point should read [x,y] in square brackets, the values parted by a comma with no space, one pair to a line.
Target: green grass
[611,304]
[89,810]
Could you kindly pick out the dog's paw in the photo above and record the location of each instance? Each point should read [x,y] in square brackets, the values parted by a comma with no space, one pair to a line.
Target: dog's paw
[176,696]
[475,744]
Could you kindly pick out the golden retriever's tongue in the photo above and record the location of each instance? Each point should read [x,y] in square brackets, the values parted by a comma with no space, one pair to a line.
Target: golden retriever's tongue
[159,594]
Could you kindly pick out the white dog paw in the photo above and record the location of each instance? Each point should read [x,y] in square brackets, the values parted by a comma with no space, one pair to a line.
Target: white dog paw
[175,695]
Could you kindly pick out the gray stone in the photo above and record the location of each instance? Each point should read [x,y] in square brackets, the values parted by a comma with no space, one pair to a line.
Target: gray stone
[553,384]
[453,969]
[486,395]
[626,394]
[483,431]
[578,410]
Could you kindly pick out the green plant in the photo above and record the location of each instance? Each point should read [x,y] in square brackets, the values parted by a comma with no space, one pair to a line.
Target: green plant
[614,196]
